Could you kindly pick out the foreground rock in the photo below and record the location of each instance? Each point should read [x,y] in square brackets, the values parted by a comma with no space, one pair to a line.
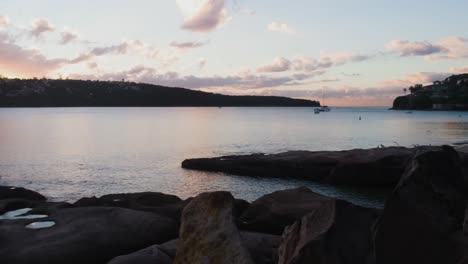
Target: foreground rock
[156,254]
[422,220]
[271,213]
[160,203]
[208,233]
[358,167]
[337,232]
[83,235]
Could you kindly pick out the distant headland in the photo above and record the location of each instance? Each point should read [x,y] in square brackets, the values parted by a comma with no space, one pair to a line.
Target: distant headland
[449,94]
[81,93]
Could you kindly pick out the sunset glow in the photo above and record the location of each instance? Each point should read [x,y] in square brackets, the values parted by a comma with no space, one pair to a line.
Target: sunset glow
[321,50]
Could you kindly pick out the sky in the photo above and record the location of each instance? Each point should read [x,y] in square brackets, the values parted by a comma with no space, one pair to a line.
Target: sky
[343,53]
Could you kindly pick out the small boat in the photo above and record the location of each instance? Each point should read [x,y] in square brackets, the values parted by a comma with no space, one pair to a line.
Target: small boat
[325,108]
[317,111]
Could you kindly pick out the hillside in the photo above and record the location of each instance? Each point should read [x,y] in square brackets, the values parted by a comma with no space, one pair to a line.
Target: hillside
[68,93]
[449,94]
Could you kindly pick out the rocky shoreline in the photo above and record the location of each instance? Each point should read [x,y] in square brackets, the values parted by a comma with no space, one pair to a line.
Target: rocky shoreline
[376,167]
[425,219]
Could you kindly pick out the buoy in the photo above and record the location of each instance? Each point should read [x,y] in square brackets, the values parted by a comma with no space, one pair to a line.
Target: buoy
[359,117]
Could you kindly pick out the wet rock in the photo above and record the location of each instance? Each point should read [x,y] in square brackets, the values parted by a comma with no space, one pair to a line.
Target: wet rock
[425,213]
[271,213]
[208,233]
[357,167]
[11,192]
[262,247]
[83,235]
[337,233]
[164,204]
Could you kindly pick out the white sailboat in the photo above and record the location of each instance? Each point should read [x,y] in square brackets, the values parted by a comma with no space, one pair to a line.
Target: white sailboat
[323,108]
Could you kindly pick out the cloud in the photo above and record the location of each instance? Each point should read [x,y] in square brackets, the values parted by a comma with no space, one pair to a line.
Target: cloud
[455,48]
[459,70]
[118,49]
[307,64]
[92,65]
[279,65]
[41,26]
[236,81]
[209,16]
[4,21]
[416,78]
[18,61]
[280,27]
[413,48]
[448,48]
[67,37]
[186,45]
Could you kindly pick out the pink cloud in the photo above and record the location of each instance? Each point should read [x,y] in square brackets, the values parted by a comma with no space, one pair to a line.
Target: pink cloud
[448,48]
[21,62]
[407,48]
[4,21]
[41,26]
[210,16]
[459,70]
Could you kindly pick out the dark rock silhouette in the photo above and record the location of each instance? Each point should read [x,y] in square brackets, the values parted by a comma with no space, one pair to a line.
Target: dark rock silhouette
[422,220]
[271,213]
[63,93]
[357,167]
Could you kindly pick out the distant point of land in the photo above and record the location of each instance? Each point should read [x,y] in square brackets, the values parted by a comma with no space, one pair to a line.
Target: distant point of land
[80,93]
[449,94]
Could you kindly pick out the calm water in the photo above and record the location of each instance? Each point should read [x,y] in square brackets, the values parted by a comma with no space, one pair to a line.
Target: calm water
[68,153]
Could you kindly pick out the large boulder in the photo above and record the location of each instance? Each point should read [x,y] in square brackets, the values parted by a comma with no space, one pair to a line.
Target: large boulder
[358,167]
[163,204]
[262,247]
[422,220]
[11,192]
[83,235]
[208,232]
[336,233]
[271,213]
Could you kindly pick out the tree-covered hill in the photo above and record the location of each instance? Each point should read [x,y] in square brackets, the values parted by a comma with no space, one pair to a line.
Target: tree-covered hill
[449,94]
[64,93]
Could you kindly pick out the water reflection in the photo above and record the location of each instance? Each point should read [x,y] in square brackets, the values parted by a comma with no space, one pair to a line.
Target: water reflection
[68,153]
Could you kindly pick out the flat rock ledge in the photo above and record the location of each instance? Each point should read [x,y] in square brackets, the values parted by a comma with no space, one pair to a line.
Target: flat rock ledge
[375,167]
[424,221]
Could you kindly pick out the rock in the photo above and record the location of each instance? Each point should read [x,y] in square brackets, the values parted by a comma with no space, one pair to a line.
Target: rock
[465,224]
[337,233]
[83,235]
[425,212]
[208,233]
[163,204]
[271,213]
[10,192]
[39,207]
[159,254]
[149,255]
[262,247]
[358,167]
